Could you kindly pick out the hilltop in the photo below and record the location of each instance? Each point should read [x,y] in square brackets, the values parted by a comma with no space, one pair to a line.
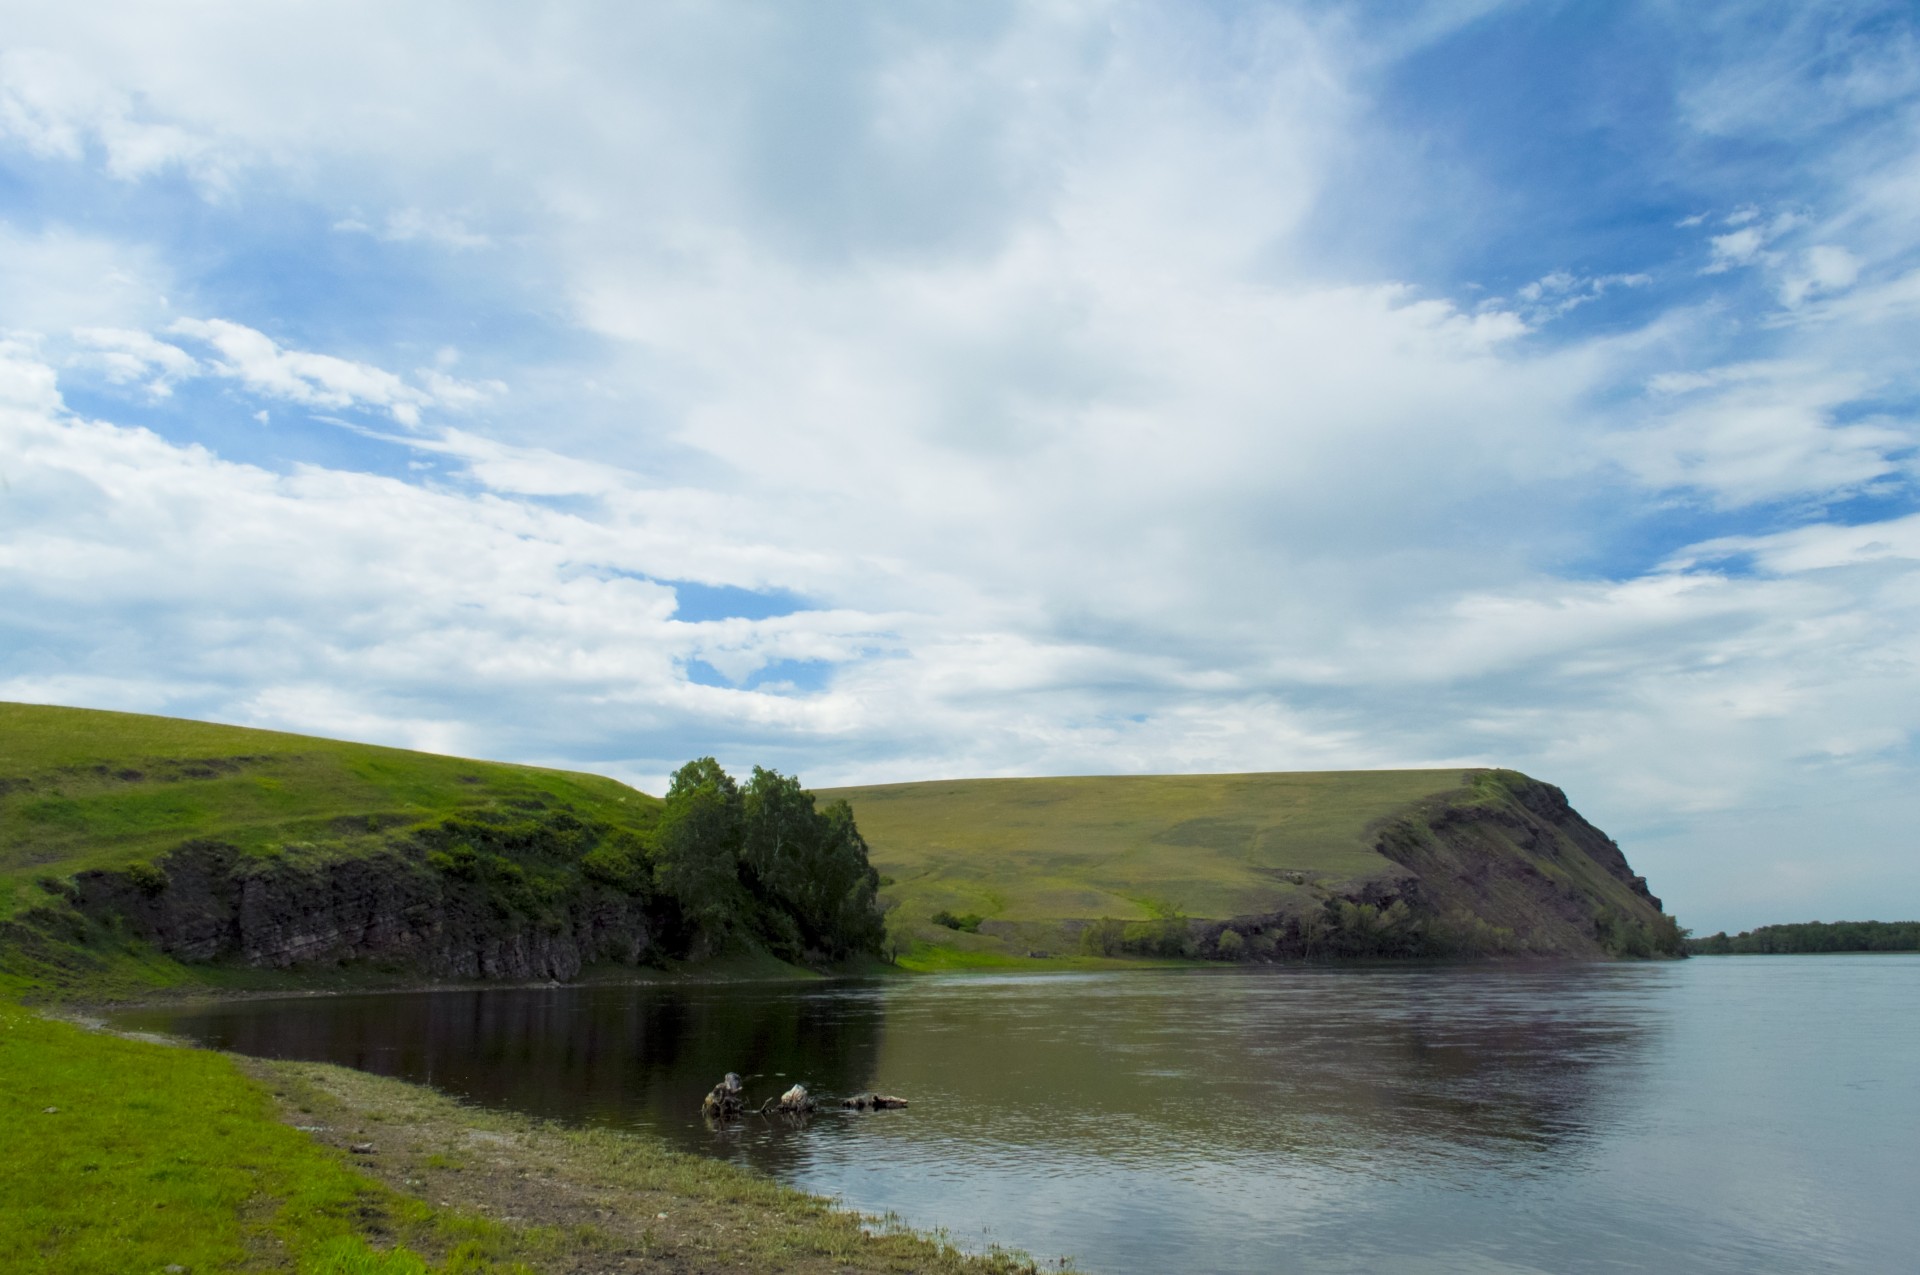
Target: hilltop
[84,788]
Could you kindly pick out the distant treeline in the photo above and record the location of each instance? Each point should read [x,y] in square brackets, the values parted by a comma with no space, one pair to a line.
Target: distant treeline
[1813,936]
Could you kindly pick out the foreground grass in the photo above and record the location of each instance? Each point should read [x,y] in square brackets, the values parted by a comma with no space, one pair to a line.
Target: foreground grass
[122,1155]
[1026,854]
[133,1156]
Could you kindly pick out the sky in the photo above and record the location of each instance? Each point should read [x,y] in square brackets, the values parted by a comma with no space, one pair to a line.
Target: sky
[892,392]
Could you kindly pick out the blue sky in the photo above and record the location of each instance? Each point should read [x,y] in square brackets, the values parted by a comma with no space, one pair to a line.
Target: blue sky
[889,392]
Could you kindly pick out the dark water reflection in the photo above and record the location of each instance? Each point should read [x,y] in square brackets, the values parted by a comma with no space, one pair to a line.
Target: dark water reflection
[1715,1115]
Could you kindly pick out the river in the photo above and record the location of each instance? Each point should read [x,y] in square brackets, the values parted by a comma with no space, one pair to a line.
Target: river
[1739,1114]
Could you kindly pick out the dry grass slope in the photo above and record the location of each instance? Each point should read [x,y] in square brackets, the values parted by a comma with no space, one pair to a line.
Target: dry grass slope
[1027,854]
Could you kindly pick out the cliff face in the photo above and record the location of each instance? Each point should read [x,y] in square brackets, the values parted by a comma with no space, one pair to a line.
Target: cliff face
[1501,866]
[207,902]
[1511,853]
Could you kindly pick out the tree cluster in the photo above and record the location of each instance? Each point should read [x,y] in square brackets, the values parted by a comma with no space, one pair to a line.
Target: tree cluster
[760,863]
[722,866]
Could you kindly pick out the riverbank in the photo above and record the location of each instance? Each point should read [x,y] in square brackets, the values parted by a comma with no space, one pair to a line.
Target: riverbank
[144,1155]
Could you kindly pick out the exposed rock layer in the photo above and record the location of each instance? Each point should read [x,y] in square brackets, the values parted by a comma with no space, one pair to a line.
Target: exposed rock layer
[1504,865]
[207,902]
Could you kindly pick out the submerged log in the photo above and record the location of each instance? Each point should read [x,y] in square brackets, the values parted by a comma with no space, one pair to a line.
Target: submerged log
[725,1100]
[872,1102]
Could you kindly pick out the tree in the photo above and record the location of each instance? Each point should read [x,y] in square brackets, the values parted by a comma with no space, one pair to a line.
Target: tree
[696,848]
[1104,937]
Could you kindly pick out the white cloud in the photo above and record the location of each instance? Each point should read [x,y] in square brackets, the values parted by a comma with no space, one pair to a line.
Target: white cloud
[1763,433]
[1825,268]
[126,355]
[1561,291]
[57,108]
[406,225]
[323,380]
[1735,248]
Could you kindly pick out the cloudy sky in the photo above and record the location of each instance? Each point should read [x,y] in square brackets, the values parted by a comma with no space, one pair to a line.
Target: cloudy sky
[908,391]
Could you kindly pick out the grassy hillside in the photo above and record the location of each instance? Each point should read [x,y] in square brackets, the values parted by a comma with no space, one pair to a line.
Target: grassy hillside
[1485,860]
[82,789]
[1027,853]
[140,852]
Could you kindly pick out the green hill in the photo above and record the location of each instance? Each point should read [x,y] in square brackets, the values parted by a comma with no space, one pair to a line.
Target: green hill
[138,850]
[1480,861]
[84,789]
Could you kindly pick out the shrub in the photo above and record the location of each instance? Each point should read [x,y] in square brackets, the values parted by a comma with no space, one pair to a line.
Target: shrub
[146,878]
[1104,937]
[1230,945]
[969,924]
[620,862]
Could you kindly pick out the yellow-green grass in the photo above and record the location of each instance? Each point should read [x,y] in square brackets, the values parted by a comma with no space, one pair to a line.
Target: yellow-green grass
[121,1155]
[81,788]
[1032,853]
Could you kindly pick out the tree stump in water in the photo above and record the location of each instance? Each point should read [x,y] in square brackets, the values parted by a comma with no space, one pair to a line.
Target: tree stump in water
[872,1102]
[725,1101]
[796,1101]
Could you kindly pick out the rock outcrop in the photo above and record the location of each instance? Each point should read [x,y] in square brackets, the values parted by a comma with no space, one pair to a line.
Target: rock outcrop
[1503,866]
[205,901]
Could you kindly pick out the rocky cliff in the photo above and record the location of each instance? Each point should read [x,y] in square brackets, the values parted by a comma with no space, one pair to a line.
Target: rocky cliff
[1501,866]
[206,902]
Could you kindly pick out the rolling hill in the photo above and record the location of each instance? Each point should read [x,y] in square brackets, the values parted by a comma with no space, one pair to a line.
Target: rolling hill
[1488,860]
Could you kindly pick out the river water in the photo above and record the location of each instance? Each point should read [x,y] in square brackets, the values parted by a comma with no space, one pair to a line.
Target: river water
[1739,1114]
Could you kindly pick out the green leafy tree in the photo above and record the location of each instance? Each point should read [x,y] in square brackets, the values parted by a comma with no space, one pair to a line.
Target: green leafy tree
[697,848]
[810,869]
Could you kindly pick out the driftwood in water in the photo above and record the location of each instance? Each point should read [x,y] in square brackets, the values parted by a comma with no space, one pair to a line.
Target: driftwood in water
[725,1100]
[795,1101]
[872,1102]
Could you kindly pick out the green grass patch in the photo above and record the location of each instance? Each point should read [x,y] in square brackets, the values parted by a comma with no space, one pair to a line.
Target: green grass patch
[128,1156]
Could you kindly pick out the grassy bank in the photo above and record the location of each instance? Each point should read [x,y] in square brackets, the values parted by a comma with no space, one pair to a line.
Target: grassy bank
[133,1156]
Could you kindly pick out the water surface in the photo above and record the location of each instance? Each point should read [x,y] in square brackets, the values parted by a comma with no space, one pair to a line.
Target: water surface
[1732,1114]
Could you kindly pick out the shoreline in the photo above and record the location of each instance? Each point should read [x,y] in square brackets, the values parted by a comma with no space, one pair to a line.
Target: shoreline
[413,1175]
